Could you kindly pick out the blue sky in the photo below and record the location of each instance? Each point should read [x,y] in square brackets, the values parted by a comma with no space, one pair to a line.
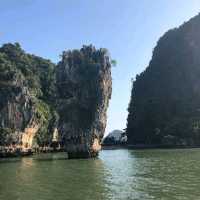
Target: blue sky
[129,29]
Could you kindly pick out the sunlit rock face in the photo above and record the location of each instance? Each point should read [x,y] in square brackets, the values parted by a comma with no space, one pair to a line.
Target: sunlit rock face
[17,114]
[24,112]
[84,89]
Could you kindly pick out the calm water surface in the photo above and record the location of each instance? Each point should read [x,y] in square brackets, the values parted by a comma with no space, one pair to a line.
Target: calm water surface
[116,175]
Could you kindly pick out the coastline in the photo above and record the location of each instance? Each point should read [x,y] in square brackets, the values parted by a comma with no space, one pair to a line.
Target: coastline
[30,152]
[7,152]
[143,147]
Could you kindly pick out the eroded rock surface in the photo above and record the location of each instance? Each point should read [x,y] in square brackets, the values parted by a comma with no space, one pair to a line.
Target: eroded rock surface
[84,88]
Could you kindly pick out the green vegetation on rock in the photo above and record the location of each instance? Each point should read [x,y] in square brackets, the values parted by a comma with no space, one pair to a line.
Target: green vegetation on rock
[31,77]
[39,98]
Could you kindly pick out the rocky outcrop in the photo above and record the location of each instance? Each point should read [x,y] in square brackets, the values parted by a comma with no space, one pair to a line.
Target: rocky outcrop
[115,137]
[43,104]
[23,108]
[84,89]
[165,99]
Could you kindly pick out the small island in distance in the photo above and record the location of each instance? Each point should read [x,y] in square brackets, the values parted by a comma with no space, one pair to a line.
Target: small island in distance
[114,140]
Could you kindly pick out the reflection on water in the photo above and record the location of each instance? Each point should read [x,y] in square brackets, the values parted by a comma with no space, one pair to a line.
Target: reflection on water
[52,177]
[116,175]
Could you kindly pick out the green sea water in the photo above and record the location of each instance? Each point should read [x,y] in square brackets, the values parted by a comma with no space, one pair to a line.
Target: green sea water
[115,175]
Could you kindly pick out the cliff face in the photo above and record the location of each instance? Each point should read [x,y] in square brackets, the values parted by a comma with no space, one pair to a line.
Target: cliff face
[165,99]
[17,112]
[41,103]
[84,89]
[24,110]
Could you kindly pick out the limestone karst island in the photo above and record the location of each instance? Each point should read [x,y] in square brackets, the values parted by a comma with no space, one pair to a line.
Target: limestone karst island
[48,107]
[99,100]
